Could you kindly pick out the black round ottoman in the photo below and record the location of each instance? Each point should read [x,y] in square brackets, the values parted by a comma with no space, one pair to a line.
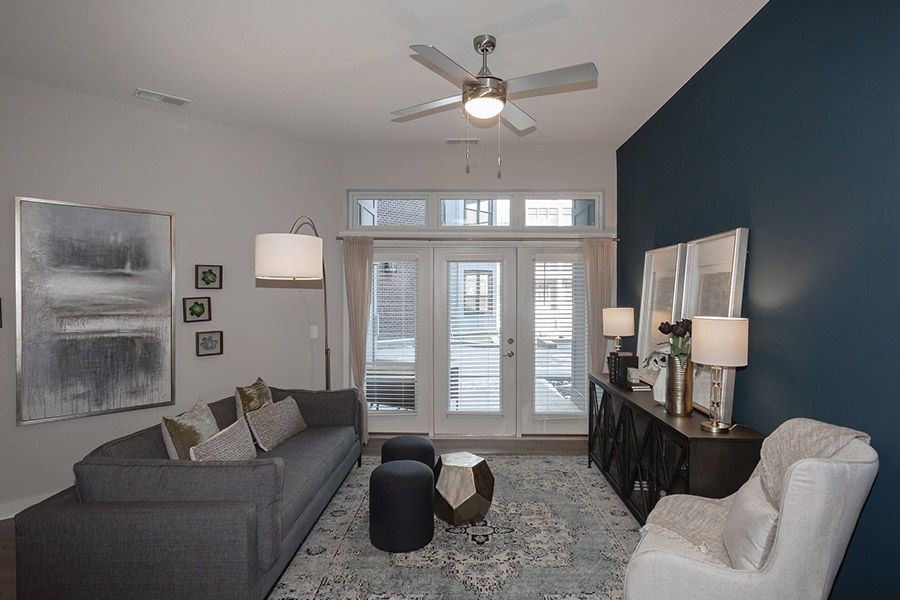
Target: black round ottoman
[409,447]
[401,506]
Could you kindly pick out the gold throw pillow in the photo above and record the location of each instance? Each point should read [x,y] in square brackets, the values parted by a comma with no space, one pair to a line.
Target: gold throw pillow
[188,429]
[253,397]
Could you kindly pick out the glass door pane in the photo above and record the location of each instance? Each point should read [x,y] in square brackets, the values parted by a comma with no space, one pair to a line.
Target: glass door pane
[560,338]
[475,342]
[398,392]
[475,290]
[553,317]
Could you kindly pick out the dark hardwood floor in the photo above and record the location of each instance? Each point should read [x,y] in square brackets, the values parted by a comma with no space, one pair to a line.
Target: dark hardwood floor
[574,446]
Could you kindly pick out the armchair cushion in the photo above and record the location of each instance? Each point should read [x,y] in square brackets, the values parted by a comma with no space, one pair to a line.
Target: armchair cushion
[750,526]
[695,523]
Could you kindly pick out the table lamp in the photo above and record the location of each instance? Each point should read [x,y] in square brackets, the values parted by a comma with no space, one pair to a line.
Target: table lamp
[617,322]
[718,342]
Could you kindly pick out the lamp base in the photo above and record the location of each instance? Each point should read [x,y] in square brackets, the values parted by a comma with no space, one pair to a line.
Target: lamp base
[716,427]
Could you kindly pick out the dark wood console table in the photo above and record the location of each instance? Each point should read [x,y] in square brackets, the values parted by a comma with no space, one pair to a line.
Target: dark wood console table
[646,454]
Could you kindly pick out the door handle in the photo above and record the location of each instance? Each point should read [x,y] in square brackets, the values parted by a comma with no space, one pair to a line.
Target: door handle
[510,353]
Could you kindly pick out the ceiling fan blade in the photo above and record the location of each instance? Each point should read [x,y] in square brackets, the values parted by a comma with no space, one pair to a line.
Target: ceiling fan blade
[574,74]
[517,117]
[444,63]
[418,108]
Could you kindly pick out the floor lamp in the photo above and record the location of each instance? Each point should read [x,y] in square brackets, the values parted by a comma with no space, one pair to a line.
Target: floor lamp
[295,257]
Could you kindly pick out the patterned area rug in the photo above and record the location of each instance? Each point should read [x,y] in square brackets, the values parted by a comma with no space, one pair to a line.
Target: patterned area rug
[555,531]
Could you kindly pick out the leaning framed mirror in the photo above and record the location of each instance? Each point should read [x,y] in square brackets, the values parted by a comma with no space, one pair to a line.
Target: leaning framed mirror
[661,298]
[714,286]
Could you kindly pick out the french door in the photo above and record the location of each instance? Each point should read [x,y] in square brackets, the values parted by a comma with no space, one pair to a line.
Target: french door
[475,342]
[478,341]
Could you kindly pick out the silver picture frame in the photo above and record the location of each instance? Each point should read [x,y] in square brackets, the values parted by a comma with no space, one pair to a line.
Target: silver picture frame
[661,297]
[714,286]
[95,326]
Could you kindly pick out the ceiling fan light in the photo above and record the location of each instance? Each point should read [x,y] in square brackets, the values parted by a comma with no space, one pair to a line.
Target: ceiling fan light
[484,107]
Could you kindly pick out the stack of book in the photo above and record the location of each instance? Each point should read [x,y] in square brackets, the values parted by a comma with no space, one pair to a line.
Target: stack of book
[636,387]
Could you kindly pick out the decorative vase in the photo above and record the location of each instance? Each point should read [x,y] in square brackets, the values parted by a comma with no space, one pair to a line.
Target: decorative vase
[679,387]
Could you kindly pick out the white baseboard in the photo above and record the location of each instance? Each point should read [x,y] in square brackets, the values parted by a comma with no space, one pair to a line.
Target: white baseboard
[10,509]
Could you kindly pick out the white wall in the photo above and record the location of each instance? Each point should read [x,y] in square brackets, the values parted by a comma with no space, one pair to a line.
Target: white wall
[445,168]
[224,185]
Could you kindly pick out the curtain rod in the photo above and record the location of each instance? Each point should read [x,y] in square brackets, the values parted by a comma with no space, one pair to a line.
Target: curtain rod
[389,238]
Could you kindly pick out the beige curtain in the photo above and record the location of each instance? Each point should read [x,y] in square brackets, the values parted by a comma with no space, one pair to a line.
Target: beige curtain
[600,277]
[358,255]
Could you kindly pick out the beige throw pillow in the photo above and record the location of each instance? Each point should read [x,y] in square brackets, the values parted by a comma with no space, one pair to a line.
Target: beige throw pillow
[188,429]
[253,397]
[749,530]
[232,443]
[273,424]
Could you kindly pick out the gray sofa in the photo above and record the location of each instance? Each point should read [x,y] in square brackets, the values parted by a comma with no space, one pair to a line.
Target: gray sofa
[139,525]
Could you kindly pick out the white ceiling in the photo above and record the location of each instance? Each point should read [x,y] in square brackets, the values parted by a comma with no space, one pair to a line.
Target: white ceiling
[331,72]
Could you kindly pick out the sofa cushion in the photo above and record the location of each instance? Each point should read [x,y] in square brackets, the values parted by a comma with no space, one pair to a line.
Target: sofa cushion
[137,480]
[232,443]
[309,458]
[188,429]
[749,529]
[274,423]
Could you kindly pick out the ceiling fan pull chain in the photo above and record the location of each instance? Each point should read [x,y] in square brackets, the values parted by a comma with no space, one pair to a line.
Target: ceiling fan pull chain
[467,142]
[499,127]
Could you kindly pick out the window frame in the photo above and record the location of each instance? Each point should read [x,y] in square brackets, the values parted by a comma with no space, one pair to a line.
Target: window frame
[517,218]
[353,213]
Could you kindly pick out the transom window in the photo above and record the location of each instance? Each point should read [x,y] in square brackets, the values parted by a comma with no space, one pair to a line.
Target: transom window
[468,212]
[524,212]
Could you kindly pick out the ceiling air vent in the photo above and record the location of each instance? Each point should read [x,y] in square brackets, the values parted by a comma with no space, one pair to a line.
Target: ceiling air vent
[158,97]
[461,141]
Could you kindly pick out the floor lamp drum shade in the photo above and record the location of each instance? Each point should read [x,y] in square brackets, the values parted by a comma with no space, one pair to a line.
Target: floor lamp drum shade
[618,322]
[719,341]
[288,256]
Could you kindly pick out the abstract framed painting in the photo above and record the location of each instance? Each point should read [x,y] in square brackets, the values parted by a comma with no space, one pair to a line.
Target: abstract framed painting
[95,310]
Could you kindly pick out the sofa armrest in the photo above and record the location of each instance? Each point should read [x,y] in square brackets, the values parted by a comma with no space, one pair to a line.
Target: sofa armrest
[136,550]
[326,407]
[259,482]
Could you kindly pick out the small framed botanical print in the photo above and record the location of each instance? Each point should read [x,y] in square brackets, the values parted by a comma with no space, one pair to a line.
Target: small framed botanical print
[197,309]
[208,277]
[209,343]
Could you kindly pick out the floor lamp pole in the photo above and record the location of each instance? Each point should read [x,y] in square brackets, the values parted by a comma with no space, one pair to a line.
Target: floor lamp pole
[295,228]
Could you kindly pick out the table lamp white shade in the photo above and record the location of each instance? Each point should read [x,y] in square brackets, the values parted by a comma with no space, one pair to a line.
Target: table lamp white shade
[618,322]
[719,341]
[288,256]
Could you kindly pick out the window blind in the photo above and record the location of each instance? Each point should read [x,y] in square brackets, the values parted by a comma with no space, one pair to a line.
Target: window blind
[391,342]
[561,360]
[474,307]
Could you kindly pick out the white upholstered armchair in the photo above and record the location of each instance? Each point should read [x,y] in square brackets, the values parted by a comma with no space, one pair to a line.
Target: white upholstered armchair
[782,535]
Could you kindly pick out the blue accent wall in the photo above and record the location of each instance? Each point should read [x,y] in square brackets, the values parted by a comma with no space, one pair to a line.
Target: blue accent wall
[793,130]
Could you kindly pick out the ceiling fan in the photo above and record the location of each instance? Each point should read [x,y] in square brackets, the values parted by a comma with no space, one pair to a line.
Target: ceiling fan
[485,95]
